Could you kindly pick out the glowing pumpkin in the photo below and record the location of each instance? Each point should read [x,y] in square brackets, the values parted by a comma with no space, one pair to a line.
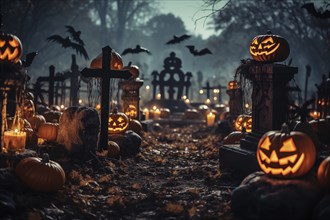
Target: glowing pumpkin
[116,61]
[118,122]
[10,48]
[323,173]
[286,154]
[131,111]
[232,85]
[247,124]
[269,48]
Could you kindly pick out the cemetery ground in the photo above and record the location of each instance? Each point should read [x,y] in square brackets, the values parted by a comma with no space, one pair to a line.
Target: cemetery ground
[175,176]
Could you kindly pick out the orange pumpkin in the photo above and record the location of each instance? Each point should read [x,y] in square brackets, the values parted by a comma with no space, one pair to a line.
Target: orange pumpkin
[286,154]
[113,149]
[41,174]
[36,121]
[116,61]
[48,131]
[135,126]
[118,122]
[269,48]
[10,48]
[323,173]
[133,69]
[131,111]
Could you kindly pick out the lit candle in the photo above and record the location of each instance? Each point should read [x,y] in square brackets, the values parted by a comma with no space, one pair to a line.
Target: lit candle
[156,113]
[210,118]
[146,113]
[14,140]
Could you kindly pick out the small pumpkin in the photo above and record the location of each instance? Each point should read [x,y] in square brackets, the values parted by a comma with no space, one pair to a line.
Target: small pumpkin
[116,61]
[247,124]
[28,108]
[232,85]
[118,122]
[323,173]
[285,154]
[41,174]
[11,48]
[135,126]
[133,69]
[239,122]
[234,137]
[48,131]
[113,149]
[36,121]
[269,48]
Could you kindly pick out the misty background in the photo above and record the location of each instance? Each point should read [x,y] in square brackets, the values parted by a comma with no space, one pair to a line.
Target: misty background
[124,23]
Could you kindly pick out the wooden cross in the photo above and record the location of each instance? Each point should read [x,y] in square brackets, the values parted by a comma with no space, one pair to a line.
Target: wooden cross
[106,73]
[208,89]
[51,80]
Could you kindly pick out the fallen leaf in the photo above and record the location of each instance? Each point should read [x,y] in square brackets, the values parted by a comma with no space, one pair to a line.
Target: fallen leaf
[174,208]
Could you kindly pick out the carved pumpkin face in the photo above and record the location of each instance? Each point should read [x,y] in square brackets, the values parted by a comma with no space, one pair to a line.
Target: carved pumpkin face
[269,48]
[286,154]
[116,61]
[118,123]
[247,124]
[131,111]
[10,48]
[232,84]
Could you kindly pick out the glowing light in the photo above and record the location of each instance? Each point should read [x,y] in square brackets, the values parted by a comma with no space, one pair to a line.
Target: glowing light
[147,87]
[201,91]
[158,96]
[80,101]
[207,101]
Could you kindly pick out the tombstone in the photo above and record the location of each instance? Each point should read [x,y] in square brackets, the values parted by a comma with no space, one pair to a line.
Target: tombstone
[270,106]
[171,83]
[130,98]
[323,97]
[235,99]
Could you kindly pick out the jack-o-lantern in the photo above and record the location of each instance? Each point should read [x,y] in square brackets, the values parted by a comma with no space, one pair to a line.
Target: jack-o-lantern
[131,111]
[116,61]
[269,48]
[118,122]
[323,173]
[286,154]
[232,85]
[10,48]
[247,124]
[133,69]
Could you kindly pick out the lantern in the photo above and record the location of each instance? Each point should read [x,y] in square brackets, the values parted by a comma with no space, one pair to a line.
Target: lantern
[118,122]
[232,85]
[116,61]
[10,48]
[269,48]
[286,154]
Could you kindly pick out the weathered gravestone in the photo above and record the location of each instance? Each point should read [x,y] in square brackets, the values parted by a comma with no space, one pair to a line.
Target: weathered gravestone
[171,83]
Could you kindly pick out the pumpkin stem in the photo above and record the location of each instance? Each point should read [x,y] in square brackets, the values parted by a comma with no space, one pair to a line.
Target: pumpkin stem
[115,110]
[285,129]
[130,63]
[269,32]
[45,158]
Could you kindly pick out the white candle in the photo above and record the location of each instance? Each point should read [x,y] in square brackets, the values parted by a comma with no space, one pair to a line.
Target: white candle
[210,118]
[14,140]
[146,113]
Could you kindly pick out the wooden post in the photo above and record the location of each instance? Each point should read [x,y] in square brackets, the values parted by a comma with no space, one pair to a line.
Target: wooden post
[105,74]
[74,82]
[51,85]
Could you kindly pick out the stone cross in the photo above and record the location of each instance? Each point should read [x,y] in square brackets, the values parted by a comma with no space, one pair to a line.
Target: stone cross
[106,73]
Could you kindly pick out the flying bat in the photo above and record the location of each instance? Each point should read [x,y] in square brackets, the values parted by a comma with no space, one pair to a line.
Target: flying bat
[29,58]
[137,49]
[195,52]
[311,10]
[67,43]
[177,39]
[74,34]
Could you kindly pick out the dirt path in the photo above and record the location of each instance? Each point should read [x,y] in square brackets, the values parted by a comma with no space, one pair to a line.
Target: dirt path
[176,176]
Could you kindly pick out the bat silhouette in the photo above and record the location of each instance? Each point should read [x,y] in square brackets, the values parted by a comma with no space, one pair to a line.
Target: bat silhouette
[311,10]
[74,34]
[137,49]
[177,39]
[29,58]
[67,43]
[195,52]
